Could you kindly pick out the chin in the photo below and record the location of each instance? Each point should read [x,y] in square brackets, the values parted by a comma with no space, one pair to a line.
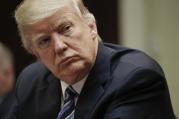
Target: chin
[74,73]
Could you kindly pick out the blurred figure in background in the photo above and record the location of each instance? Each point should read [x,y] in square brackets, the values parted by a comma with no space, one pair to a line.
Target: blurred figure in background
[6,80]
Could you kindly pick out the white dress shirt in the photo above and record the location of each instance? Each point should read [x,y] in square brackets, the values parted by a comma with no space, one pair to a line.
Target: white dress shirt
[77,87]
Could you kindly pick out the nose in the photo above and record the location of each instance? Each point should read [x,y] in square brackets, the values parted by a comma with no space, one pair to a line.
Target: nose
[59,44]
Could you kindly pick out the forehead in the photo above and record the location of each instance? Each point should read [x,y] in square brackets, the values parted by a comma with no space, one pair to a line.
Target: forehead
[61,15]
[64,14]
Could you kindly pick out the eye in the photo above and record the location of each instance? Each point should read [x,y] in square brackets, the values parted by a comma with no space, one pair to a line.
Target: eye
[44,43]
[67,29]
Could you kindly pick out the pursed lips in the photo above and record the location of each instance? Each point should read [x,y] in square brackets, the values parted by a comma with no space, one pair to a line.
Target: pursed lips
[68,59]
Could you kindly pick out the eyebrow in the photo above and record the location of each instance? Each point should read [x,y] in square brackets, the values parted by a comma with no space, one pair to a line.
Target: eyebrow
[61,21]
[34,39]
[56,26]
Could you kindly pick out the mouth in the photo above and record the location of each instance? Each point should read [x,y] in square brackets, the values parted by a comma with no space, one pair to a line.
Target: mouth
[68,60]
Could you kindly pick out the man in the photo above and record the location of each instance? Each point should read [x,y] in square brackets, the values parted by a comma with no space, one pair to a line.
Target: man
[77,76]
[6,80]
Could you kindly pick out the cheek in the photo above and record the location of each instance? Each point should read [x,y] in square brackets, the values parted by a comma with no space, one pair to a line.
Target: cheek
[81,42]
[47,58]
[85,48]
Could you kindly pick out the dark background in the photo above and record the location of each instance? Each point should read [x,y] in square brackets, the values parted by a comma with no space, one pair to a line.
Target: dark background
[105,12]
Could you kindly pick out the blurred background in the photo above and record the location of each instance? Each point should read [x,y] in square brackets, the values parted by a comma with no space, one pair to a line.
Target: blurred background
[153,27]
[149,25]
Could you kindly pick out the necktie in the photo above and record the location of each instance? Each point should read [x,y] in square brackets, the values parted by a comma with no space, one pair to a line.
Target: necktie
[67,110]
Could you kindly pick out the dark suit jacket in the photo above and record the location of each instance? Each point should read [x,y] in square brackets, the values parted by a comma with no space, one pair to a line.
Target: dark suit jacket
[5,106]
[123,84]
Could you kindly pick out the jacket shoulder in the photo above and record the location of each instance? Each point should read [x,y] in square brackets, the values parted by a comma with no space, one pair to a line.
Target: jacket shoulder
[130,59]
[29,78]
[33,69]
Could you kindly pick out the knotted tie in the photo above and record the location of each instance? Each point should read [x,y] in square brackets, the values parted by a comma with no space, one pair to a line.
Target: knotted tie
[67,110]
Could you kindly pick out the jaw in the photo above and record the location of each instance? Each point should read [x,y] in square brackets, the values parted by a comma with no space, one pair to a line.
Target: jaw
[74,73]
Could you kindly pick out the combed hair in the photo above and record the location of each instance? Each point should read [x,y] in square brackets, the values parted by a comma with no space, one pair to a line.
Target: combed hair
[32,11]
[6,58]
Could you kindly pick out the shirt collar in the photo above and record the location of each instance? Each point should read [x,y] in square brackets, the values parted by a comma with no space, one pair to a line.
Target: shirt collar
[77,86]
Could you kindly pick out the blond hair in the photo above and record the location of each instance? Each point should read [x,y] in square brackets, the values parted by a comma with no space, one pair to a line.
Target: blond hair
[31,11]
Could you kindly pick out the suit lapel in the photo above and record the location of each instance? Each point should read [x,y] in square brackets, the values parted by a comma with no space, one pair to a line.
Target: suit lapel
[94,87]
[48,99]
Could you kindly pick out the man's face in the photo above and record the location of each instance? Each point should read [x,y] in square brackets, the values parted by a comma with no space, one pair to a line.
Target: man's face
[65,43]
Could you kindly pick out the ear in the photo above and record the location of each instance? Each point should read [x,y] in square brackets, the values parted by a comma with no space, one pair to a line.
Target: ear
[93,28]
